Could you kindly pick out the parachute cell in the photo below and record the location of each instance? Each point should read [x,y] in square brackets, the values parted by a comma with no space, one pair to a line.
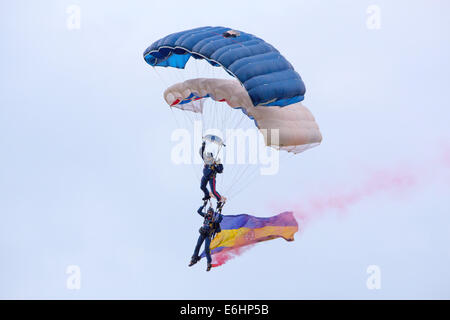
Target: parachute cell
[269,79]
[297,127]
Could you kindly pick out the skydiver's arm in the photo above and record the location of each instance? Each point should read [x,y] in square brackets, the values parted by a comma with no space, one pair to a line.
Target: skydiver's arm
[203,149]
[200,210]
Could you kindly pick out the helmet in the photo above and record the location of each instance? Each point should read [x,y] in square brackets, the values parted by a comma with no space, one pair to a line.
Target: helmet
[209,158]
[210,210]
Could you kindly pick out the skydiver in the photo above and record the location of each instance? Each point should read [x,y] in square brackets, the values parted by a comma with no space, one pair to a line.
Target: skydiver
[211,226]
[210,169]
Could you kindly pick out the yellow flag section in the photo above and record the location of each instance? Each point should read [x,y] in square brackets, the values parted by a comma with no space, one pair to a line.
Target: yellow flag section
[243,230]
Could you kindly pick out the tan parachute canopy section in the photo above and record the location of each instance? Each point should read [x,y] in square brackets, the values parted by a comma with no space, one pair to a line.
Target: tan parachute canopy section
[298,130]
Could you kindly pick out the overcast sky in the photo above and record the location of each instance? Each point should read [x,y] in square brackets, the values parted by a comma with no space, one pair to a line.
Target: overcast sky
[86,176]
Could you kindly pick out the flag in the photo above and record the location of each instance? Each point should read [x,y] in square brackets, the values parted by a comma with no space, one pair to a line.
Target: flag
[243,230]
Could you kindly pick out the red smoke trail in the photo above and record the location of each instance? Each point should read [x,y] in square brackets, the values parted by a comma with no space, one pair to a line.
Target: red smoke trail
[317,206]
[341,200]
[393,181]
[222,257]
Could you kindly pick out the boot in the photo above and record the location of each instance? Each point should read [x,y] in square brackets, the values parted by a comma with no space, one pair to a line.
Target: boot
[208,267]
[193,261]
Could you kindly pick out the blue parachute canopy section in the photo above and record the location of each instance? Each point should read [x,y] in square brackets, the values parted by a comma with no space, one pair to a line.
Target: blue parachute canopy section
[268,77]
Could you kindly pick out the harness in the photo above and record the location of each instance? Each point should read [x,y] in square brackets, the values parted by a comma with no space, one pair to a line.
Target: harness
[212,168]
[214,227]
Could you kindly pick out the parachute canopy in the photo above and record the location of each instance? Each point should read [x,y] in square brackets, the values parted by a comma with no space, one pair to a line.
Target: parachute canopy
[268,78]
[210,154]
[298,130]
[213,139]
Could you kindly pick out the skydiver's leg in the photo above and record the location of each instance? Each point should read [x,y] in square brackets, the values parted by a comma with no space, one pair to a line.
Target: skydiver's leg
[204,189]
[200,240]
[207,250]
[212,186]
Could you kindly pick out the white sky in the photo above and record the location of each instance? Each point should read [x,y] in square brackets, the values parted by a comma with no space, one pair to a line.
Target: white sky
[86,177]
